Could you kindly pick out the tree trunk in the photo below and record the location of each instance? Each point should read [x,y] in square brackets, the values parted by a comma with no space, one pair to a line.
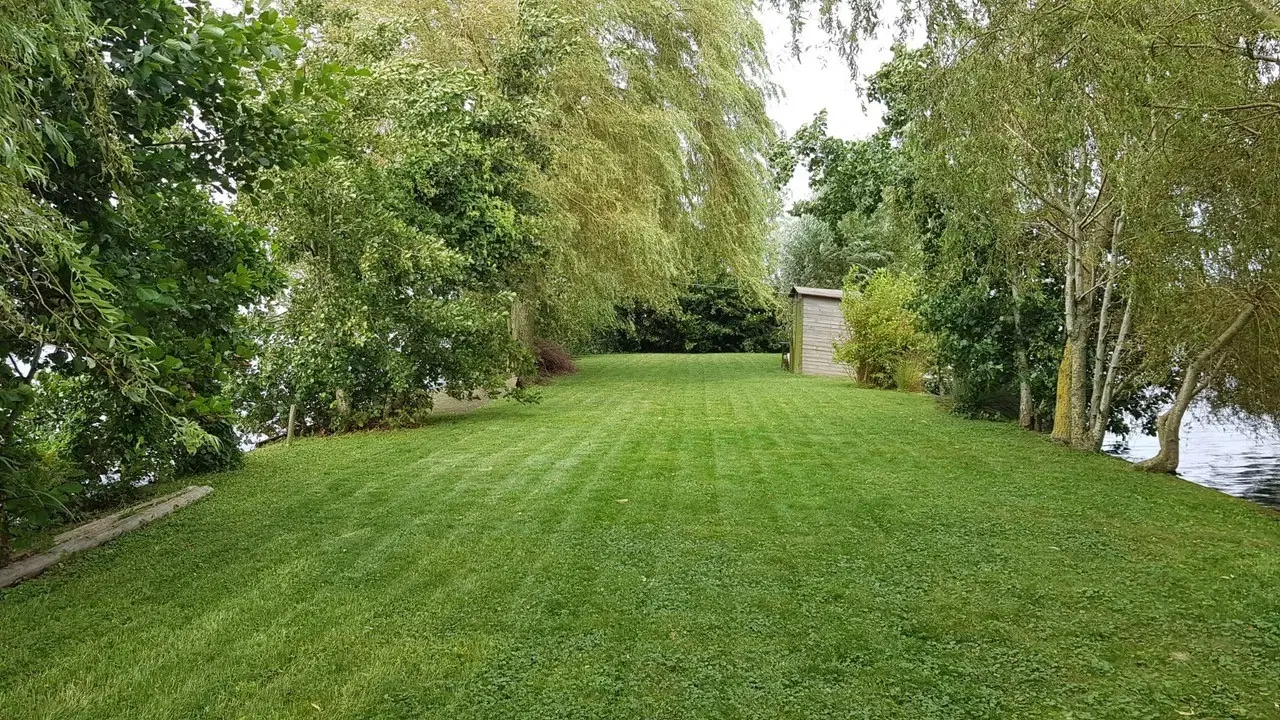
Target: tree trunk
[1026,408]
[1169,424]
[1026,404]
[1100,350]
[1168,432]
[1062,409]
[1079,390]
[6,542]
[1103,417]
[1070,421]
[1082,287]
[1062,398]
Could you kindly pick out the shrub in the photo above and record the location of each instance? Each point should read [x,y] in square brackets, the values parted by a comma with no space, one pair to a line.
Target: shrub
[909,373]
[402,252]
[886,347]
[107,443]
[553,359]
[718,316]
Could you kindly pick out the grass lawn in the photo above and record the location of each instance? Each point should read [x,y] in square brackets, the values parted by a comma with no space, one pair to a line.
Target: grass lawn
[668,537]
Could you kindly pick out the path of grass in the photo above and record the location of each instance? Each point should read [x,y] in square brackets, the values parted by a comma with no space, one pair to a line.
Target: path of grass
[790,548]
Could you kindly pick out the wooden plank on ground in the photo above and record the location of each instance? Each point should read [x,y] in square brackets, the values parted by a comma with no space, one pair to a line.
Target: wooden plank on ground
[98,532]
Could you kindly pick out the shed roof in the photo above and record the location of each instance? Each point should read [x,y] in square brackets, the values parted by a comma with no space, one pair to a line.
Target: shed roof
[816,292]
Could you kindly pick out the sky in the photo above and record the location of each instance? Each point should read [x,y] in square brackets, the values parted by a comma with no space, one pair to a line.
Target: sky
[818,80]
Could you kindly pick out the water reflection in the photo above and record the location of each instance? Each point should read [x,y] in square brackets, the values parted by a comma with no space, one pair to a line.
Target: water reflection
[1217,455]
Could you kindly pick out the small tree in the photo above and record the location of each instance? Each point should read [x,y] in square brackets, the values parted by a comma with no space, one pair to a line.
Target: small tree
[403,251]
[120,276]
[886,347]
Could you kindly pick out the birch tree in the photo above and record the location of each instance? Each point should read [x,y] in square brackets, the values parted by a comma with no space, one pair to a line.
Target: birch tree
[1130,140]
[1022,115]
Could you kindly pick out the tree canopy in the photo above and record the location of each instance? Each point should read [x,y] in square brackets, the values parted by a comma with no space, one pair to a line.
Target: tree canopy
[654,117]
[404,248]
[1110,153]
[210,218]
[123,275]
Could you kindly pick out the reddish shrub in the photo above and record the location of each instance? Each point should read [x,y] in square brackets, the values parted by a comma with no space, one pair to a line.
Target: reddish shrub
[553,359]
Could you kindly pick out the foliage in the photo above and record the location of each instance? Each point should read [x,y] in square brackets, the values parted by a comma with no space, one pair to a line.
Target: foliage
[885,340]
[847,176]
[104,445]
[808,254]
[553,359]
[403,249]
[654,117]
[969,310]
[815,255]
[578,156]
[713,317]
[966,297]
[852,220]
[482,566]
[121,272]
[1120,146]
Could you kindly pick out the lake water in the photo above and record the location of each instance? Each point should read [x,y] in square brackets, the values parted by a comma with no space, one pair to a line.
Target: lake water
[1217,455]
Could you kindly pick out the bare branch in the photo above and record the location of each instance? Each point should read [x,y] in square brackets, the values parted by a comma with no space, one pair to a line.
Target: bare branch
[1046,199]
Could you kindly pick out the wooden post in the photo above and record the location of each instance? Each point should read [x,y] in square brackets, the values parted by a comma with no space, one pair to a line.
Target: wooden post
[293,412]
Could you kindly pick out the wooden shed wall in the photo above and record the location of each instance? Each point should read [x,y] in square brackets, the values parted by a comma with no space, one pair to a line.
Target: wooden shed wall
[822,327]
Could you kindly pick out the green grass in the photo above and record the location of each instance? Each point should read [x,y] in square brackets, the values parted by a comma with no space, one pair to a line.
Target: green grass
[790,548]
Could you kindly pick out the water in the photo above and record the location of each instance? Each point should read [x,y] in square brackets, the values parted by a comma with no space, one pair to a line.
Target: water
[1217,455]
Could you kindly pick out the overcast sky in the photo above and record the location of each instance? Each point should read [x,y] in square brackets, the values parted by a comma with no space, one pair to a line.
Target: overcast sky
[819,80]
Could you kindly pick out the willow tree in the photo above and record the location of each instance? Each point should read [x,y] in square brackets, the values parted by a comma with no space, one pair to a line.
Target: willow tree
[654,115]
[1213,265]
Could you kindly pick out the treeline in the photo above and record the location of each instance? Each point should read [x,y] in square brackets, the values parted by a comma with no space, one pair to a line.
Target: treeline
[347,208]
[1072,211]
[721,315]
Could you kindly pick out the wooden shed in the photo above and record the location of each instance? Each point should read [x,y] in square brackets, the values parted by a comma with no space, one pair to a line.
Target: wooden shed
[816,326]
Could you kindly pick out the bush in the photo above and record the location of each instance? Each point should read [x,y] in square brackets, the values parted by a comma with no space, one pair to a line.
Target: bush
[909,373]
[886,347]
[969,306]
[553,359]
[108,444]
[716,317]
[402,251]
[36,494]
[83,448]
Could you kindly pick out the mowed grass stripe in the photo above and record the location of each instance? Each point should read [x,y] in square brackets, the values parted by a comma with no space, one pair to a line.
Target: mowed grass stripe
[790,547]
